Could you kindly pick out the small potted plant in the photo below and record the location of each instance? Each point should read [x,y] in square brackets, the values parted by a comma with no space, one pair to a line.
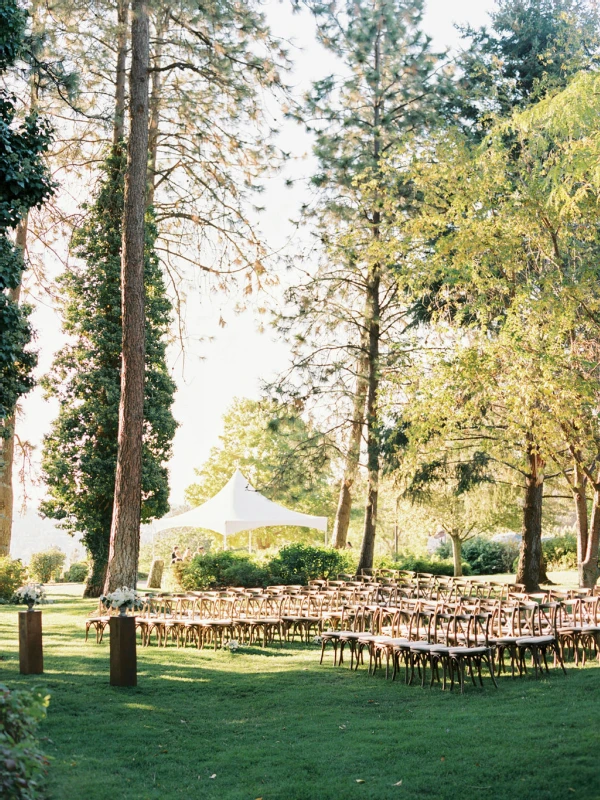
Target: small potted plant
[123,599]
[30,595]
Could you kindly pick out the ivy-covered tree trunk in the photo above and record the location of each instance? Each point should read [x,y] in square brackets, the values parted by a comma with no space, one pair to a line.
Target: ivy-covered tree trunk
[125,530]
[344,508]
[7,443]
[530,558]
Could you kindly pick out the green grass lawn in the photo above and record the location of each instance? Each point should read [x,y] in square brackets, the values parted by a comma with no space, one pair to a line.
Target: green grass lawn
[274,724]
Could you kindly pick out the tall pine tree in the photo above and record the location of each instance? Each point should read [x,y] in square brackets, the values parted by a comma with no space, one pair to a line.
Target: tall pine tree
[347,314]
[80,453]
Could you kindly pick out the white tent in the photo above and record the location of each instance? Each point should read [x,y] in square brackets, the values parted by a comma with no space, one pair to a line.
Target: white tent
[239,507]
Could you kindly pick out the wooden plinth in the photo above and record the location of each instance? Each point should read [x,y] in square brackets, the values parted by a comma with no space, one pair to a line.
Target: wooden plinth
[31,654]
[123,659]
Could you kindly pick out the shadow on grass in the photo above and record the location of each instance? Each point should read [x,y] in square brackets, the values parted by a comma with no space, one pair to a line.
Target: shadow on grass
[272,723]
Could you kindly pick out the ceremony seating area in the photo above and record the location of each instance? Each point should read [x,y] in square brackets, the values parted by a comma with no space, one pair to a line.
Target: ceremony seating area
[419,623]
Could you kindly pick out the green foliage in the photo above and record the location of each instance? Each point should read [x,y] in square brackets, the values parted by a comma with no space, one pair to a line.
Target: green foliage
[560,552]
[43,566]
[295,563]
[417,563]
[79,456]
[268,703]
[221,569]
[279,453]
[299,563]
[530,48]
[486,557]
[12,575]
[76,573]
[24,184]
[22,764]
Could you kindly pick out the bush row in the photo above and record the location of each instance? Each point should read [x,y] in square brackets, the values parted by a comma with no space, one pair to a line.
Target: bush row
[296,563]
[43,568]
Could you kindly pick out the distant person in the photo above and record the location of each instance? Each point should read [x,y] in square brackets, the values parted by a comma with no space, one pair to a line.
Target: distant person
[187,554]
[200,551]
[175,555]
[349,545]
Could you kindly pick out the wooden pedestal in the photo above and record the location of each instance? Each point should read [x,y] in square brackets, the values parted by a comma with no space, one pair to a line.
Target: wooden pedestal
[31,655]
[123,659]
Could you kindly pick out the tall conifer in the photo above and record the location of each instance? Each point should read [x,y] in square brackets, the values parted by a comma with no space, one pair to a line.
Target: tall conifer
[80,452]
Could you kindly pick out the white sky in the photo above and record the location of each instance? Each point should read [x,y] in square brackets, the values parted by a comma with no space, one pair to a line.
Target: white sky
[238,358]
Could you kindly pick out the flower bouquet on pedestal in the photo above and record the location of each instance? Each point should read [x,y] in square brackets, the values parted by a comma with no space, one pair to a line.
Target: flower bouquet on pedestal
[123,599]
[30,595]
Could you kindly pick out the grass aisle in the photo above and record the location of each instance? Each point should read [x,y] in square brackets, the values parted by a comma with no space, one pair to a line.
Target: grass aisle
[275,725]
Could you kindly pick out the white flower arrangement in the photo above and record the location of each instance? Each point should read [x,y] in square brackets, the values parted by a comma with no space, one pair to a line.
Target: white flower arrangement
[232,645]
[317,639]
[31,595]
[122,598]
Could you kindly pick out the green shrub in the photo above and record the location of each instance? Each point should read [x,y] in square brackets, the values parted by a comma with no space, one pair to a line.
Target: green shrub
[486,557]
[12,575]
[76,573]
[22,764]
[300,563]
[560,552]
[435,566]
[220,569]
[44,565]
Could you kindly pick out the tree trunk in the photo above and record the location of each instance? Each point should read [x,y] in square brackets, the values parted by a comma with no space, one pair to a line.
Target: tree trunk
[125,529]
[154,105]
[7,451]
[581,514]
[530,557]
[121,77]
[457,555]
[589,571]
[94,584]
[342,517]
[373,445]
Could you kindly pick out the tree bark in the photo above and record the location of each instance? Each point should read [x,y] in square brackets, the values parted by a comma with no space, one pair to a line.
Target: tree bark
[121,76]
[457,555]
[125,529]
[589,571]
[7,452]
[372,325]
[342,517]
[530,558]
[581,514]
[373,445]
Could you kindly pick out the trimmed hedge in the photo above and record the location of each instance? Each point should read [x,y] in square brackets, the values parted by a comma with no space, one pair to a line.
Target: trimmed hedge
[296,563]
[486,557]
[300,563]
[220,569]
